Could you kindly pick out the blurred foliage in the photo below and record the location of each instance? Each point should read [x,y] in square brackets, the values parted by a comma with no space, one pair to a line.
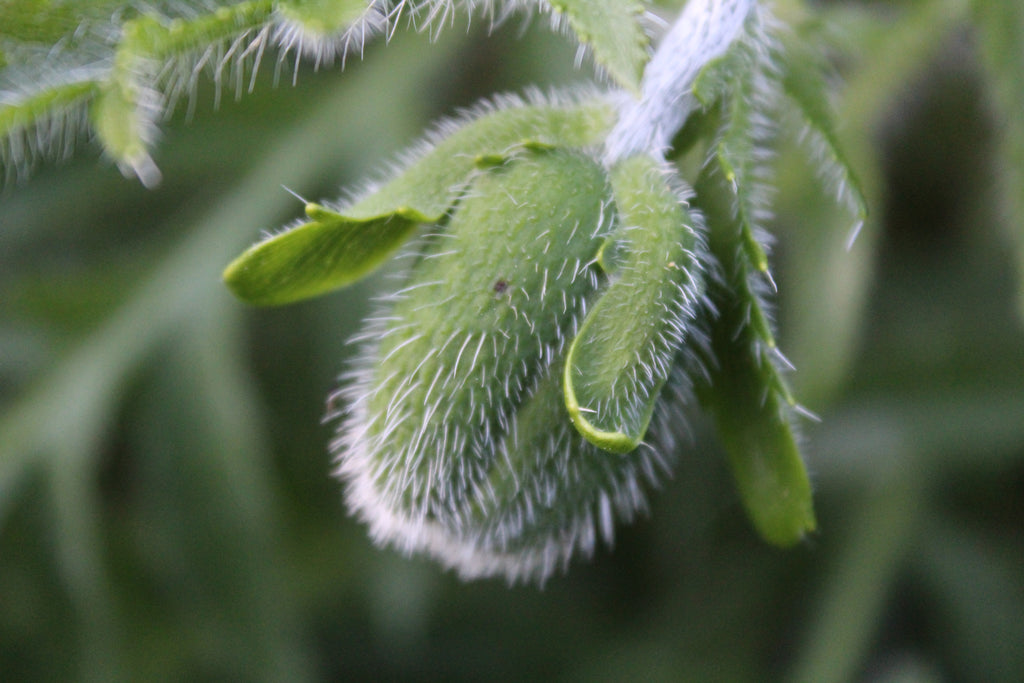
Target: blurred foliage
[165,506]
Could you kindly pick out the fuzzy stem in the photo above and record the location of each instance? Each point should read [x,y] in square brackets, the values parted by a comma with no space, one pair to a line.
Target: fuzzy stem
[702,33]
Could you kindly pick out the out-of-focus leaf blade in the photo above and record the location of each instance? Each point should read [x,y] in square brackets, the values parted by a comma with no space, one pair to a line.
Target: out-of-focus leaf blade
[804,83]
[880,528]
[979,594]
[1001,41]
[79,392]
[16,114]
[823,321]
[47,22]
[129,64]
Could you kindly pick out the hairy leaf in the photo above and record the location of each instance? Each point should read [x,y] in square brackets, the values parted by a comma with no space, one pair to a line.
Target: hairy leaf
[714,81]
[50,69]
[742,149]
[125,113]
[322,17]
[555,493]
[612,29]
[130,63]
[430,185]
[803,81]
[623,354]
[49,22]
[31,109]
[744,389]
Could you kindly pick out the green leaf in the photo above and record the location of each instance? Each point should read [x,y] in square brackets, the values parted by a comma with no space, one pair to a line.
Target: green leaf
[124,115]
[804,83]
[623,353]
[157,37]
[125,129]
[744,389]
[612,29]
[133,64]
[337,247]
[551,493]
[22,113]
[50,69]
[502,283]
[741,149]
[753,421]
[52,21]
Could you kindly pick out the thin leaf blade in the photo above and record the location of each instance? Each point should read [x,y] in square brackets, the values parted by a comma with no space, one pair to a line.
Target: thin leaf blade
[805,86]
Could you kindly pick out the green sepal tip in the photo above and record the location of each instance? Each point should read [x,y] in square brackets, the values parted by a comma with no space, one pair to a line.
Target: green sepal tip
[327,252]
[753,421]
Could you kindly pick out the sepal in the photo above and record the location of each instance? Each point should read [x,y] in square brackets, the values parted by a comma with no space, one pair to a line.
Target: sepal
[623,354]
[328,251]
[338,246]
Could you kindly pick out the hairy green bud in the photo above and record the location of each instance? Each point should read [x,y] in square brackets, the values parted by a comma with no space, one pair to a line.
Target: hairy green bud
[456,441]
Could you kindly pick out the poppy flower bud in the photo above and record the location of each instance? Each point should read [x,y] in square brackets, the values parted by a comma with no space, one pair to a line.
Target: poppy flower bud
[457,441]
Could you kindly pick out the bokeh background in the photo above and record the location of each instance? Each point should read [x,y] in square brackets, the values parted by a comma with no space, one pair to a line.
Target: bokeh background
[166,509]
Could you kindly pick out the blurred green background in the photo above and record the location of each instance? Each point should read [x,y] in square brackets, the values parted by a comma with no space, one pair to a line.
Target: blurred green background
[166,510]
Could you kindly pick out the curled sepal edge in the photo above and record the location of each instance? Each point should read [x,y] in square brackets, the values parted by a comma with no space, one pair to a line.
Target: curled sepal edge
[622,356]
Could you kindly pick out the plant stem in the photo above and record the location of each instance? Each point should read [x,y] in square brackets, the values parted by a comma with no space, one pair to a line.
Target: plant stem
[702,33]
